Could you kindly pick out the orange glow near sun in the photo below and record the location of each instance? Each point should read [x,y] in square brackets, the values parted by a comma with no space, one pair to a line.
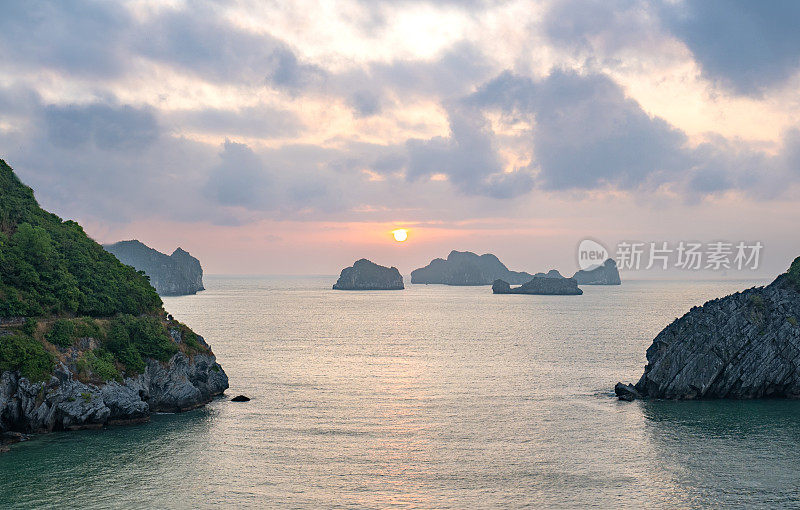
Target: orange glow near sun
[400,235]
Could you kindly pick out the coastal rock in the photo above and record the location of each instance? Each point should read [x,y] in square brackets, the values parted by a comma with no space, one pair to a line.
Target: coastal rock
[467,268]
[240,398]
[501,287]
[605,274]
[171,275]
[65,403]
[367,275]
[743,346]
[8,438]
[626,392]
[540,285]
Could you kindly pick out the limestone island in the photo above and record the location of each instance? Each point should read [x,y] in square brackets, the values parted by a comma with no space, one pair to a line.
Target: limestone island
[542,285]
[605,274]
[743,346]
[84,339]
[467,268]
[553,273]
[178,274]
[367,275]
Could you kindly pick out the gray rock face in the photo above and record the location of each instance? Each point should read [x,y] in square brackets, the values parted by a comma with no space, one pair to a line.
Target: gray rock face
[367,275]
[171,275]
[64,403]
[467,268]
[626,392]
[607,274]
[743,346]
[542,285]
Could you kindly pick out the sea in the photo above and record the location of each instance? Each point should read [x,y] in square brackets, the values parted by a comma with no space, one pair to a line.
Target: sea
[431,397]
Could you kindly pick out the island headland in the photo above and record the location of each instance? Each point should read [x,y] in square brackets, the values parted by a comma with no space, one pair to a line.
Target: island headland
[84,339]
[467,268]
[171,275]
[742,346]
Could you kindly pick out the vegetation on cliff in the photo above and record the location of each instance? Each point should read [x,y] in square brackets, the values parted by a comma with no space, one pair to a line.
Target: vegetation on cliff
[58,287]
[51,267]
[794,273]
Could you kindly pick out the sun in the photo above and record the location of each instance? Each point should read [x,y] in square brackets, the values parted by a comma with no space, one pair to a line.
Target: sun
[400,235]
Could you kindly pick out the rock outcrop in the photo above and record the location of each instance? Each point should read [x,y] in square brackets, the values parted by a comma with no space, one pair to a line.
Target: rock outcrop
[743,346]
[542,285]
[467,268]
[171,275]
[367,275]
[65,403]
[605,274]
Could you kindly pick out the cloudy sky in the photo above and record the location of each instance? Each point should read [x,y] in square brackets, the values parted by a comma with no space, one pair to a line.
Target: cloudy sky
[292,137]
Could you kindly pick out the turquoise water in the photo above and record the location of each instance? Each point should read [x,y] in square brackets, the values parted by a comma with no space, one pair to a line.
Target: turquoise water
[432,397]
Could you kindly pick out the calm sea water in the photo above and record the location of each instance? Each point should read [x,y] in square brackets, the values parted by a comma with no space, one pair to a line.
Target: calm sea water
[432,397]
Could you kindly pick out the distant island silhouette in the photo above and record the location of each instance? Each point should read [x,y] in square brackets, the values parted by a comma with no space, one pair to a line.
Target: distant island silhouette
[467,268]
[172,275]
[367,275]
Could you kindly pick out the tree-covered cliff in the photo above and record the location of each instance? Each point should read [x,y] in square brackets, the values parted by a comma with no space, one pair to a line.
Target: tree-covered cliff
[49,266]
[73,318]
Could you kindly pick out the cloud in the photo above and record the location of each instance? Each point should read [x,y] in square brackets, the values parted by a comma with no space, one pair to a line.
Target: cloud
[240,178]
[453,73]
[256,122]
[468,157]
[85,38]
[109,127]
[365,103]
[742,46]
[285,71]
[138,98]
[597,26]
[586,133]
[291,182]
[745,46]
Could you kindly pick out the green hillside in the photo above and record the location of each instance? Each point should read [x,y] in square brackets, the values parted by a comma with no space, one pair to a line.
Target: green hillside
[51,267]
[58,286]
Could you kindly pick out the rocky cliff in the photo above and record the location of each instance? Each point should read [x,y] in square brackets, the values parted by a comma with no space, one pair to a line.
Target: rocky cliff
[542,285]
[743,346]
[66,402]
[605,274]
[84,339]
[171,275]
[467,268]
[366,275]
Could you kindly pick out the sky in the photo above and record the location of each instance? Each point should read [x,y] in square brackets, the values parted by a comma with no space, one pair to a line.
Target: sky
[293,137]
